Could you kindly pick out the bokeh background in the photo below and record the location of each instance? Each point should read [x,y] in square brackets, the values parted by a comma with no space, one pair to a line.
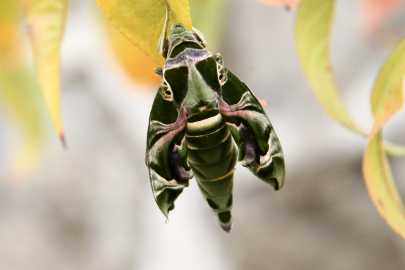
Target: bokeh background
[91,207]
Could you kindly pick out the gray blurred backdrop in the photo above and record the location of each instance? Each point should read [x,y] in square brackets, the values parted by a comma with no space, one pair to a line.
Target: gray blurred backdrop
[91,207]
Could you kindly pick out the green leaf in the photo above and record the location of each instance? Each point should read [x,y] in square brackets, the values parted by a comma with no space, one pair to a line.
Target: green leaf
[209,17]
[22,101]
[386,100]
[312,35]
[141,21]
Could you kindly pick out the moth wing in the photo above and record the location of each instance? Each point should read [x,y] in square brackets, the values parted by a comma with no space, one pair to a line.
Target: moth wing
[166,153]
[259,147]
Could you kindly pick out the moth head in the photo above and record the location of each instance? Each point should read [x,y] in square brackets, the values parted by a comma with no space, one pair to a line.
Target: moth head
[180,34]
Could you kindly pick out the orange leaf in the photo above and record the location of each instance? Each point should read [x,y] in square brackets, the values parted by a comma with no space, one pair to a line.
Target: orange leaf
[263,102]
[374,13]
[290,4]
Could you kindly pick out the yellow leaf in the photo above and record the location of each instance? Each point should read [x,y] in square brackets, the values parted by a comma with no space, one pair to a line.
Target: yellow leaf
[45,22]
[141,21]
[139,66]
[208,16]
[19,94]
[312,33]
[312,37]
[281,3]
[386,100]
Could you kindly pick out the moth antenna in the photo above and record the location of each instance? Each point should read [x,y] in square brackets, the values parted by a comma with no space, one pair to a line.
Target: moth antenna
[167,19]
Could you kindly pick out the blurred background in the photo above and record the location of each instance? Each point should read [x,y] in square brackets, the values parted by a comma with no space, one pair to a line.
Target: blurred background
[91,207]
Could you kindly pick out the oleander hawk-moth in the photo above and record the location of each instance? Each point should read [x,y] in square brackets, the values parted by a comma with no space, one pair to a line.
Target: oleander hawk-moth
[200,111]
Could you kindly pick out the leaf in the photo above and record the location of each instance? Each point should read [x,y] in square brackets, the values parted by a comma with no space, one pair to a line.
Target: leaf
[280,3]
[141,21]
[45,22]
[386,100]
[312,38]
[8,23]
[23,103]
[374,13]
[263,102]
[19,94]
[394,150]
[136,64]
[312,33]
[209,17]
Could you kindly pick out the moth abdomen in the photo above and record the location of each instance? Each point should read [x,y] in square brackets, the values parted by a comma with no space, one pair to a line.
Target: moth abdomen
[210,148]
[212,155]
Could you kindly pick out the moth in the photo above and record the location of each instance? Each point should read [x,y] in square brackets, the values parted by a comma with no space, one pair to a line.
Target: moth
[202,121]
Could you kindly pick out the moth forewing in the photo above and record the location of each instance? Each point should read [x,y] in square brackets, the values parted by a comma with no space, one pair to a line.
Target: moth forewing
[259,147]
[165,147]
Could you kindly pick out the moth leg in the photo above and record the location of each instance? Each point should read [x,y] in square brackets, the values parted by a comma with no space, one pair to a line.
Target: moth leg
[251,155]
[159,72]
[200,36]
[180,168]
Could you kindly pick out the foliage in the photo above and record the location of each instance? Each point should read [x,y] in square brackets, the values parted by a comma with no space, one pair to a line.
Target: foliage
[20,92]
[386,100]
[141,22]
[312,33]
[45,21]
